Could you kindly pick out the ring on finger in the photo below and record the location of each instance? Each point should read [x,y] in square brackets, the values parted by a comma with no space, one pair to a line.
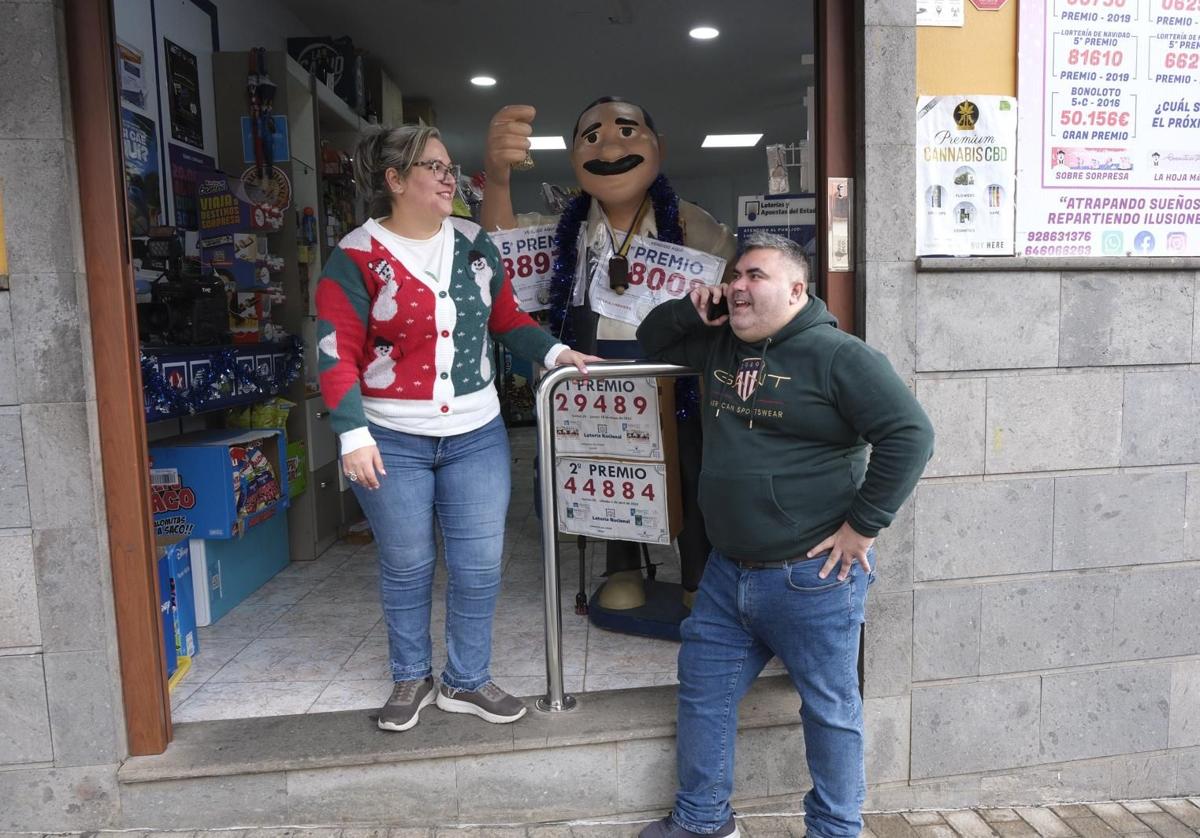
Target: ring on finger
[351,476]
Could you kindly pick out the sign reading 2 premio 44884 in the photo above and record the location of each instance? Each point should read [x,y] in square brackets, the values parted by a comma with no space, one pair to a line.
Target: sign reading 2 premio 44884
[1109,154]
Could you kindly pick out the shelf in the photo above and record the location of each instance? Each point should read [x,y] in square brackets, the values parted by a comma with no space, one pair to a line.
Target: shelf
[178,365]
[335,115]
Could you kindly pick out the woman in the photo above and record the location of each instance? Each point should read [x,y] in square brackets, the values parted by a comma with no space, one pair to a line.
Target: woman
[407,308]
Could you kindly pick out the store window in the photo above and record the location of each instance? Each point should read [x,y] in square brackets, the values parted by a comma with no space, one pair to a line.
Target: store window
[239,123]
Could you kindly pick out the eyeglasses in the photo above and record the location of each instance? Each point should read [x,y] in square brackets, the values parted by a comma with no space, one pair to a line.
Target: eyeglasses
[440,170]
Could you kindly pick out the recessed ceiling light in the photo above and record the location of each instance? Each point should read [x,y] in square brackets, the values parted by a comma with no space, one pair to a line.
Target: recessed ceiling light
[483,81]
[547,144]
[730,140]
[704,33]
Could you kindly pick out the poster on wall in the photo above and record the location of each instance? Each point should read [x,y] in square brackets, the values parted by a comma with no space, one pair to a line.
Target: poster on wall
[940,12]
[188,168]
[966,171]
[183,88]
[131,75]
[1110,128]
[143,194]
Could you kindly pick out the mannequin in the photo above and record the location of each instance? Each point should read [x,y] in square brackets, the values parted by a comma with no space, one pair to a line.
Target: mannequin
[616,154]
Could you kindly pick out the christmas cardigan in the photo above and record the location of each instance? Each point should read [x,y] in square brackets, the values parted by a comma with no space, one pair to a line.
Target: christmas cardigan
[414,353]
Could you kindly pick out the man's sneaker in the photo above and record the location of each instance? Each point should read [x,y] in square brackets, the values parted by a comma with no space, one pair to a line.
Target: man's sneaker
[489,703]
[404,707]
[667,828]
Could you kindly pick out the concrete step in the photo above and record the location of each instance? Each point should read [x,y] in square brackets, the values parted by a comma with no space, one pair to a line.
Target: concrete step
[613,755]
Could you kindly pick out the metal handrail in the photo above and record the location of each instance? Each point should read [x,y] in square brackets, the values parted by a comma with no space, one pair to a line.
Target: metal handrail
[556,700]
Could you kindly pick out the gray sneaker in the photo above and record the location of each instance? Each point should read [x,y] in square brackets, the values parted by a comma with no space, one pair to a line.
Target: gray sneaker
[403,709]
[489,703]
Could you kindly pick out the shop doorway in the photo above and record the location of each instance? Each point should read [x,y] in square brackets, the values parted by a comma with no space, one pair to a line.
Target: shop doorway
[790,50]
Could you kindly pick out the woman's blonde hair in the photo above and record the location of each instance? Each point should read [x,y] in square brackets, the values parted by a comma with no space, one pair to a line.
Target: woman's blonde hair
[380,149]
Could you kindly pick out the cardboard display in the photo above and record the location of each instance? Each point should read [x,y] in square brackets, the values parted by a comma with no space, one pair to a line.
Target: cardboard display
[192,483]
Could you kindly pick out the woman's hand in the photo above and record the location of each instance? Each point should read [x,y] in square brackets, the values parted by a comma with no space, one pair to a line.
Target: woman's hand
[363,466]
[576,359]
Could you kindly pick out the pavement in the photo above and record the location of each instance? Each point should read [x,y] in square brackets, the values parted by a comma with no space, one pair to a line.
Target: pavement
[1170,818]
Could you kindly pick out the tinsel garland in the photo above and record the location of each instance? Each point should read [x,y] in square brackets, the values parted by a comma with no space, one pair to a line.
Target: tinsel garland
[666,220]
[223,377]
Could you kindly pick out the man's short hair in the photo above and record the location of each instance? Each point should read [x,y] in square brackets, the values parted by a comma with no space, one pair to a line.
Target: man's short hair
[788,249]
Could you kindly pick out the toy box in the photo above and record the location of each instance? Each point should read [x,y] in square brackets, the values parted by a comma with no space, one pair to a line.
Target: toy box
[217,484]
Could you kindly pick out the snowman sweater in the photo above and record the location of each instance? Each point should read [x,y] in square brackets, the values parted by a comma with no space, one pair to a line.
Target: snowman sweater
[414,353]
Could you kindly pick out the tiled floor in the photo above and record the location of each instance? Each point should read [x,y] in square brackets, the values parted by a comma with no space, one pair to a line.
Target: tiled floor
[312,639]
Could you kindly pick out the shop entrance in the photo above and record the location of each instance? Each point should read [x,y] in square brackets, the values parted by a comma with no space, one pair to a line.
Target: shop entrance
[784,71]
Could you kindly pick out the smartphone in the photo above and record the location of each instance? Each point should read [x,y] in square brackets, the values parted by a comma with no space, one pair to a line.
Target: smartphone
[716,310]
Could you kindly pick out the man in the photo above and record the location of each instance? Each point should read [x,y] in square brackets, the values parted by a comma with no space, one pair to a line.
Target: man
[792,508]
[616,154]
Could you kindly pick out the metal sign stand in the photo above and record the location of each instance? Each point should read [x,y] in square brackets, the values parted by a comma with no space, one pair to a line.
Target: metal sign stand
[556,700]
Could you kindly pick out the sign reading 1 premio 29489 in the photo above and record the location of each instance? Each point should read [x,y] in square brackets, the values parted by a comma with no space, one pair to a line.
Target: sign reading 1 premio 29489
[1109,155]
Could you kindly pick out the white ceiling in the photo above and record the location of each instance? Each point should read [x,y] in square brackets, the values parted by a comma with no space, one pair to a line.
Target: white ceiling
[558,55]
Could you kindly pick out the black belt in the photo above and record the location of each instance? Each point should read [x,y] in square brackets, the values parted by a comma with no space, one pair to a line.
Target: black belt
[747,564]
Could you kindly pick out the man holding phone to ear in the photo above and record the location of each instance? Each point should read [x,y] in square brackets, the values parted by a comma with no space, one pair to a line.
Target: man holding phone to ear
[792,506]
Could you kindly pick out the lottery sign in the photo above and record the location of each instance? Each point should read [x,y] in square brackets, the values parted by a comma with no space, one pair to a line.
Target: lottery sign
[658,271]
[528,257]
[613,500]
[608,417]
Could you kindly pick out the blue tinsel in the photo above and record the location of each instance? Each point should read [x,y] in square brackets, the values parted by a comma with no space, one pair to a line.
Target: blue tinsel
[223,377]
[666,219]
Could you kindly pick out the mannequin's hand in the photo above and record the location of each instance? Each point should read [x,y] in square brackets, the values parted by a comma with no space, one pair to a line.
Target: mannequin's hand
[507,141]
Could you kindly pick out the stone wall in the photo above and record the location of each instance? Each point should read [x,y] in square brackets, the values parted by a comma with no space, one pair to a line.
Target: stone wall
[1035,634]
[61,730]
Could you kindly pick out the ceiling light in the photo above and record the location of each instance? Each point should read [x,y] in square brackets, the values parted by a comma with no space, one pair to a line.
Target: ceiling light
[547,144]
[483,81]
[730,140]
[704,33]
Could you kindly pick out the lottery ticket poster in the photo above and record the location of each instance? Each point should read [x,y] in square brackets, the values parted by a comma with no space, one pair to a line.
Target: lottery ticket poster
[1109,162]
[528,257]
[613,417]
[613,500]
[658,271]
[966,172]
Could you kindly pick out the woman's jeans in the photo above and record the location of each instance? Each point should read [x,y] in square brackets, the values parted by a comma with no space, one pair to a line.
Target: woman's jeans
[462,482]
[741,618]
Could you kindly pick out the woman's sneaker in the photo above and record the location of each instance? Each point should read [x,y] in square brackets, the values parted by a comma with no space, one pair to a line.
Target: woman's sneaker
[403,708]
[489,703]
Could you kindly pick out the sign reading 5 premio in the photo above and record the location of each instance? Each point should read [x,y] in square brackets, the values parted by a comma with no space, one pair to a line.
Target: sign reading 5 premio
[528,257]
[1110,128]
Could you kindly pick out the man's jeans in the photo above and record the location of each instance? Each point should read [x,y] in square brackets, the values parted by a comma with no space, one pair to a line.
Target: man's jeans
[741,618]
[464,482]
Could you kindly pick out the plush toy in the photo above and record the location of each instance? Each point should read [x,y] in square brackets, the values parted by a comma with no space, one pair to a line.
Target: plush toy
[616,153]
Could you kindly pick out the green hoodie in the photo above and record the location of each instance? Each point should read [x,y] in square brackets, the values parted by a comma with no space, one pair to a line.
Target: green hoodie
[786,425]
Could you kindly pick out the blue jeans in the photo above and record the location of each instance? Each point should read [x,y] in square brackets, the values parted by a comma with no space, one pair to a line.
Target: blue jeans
[462,482]
[740,619]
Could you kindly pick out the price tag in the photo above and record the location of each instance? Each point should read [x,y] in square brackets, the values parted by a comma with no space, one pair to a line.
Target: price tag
[658,271]
[613,500]
[608,417]
[528,257]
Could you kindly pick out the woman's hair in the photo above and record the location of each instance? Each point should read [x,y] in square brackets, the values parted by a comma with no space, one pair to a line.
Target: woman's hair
[380,149]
